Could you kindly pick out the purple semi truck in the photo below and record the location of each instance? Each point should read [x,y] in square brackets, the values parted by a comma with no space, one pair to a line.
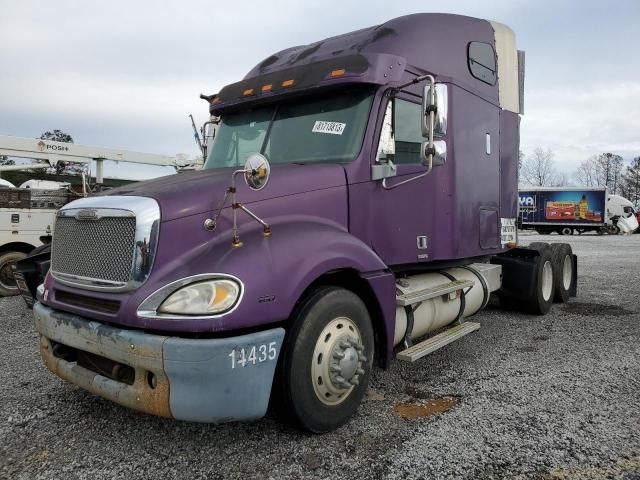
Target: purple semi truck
[357,203]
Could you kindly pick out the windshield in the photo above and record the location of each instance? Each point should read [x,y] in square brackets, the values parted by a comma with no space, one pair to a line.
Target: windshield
[304,130]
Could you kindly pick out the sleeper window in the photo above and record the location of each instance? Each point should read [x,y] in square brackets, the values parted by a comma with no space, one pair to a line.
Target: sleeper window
[482,62]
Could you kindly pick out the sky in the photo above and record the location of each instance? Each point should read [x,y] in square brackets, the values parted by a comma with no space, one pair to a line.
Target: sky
[126,74]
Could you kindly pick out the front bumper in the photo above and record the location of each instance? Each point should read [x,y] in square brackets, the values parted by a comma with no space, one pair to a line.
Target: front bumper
[201,380]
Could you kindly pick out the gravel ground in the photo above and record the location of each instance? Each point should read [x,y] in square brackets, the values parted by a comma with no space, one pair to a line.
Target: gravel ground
[550,397]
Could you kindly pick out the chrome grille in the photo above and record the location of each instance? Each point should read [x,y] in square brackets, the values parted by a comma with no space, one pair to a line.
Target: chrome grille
[99,249]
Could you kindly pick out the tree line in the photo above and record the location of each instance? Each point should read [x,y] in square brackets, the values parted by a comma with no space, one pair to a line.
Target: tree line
[602,170]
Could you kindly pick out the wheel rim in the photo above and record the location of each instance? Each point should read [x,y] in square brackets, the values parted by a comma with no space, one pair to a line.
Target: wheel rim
[6,276]
[567,272]
[338,358]
[547,280]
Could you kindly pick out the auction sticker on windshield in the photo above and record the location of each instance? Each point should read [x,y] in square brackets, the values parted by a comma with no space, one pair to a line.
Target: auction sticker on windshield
[334,128]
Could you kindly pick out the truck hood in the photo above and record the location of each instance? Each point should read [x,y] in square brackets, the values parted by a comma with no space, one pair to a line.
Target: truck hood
[200,191]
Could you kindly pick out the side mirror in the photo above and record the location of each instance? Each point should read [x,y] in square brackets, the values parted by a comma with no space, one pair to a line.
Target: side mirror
[257,171]
[440,155]
[434,121]
[439,106]
[429,108]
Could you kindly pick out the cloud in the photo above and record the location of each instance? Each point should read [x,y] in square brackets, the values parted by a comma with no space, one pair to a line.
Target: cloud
[580,121]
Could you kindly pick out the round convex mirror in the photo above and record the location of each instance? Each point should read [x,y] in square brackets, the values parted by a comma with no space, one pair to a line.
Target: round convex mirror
[256,171]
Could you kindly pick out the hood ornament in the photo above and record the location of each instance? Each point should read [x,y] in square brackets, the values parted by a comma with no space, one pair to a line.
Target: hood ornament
[256,173]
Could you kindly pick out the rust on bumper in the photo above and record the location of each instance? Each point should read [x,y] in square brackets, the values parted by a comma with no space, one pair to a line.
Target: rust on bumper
[202,380]
[140,351]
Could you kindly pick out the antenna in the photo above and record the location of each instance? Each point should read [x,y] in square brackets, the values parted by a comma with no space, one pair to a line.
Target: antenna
[196,135]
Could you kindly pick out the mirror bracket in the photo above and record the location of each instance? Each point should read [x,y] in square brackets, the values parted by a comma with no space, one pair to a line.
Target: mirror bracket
[256,174]
[383,170]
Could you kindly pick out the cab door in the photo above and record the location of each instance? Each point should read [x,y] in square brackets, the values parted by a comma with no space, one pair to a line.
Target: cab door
[403,223]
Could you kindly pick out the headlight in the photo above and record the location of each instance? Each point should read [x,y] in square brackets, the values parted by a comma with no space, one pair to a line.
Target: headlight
[202,298]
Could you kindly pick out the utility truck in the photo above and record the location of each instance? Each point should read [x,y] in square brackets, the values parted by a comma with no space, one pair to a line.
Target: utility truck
[376,215]
[566,210]
[27,217]
[27,213]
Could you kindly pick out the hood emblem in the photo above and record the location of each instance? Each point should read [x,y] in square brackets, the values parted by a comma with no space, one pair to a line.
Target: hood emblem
[87,214]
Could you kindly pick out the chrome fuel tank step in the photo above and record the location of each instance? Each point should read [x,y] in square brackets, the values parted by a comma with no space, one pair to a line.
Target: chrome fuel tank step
[411,298]
[436,342]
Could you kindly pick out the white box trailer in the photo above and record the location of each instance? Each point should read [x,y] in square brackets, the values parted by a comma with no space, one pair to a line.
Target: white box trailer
[566,210]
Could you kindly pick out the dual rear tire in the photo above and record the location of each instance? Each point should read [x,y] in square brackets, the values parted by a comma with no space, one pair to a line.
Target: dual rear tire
[554,279]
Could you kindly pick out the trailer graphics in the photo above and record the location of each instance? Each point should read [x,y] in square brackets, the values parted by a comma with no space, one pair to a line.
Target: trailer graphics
[562,206]
[569,209]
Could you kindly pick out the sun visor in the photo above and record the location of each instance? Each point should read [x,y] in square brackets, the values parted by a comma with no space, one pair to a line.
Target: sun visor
[377,69]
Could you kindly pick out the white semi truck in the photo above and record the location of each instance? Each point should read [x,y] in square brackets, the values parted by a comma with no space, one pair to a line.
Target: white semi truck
[27,214]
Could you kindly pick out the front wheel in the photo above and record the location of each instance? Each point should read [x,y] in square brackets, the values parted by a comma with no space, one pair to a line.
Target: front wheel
[8,285]
[327,359]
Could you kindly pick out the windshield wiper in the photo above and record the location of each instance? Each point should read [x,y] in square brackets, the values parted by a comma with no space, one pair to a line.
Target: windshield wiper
[268,133]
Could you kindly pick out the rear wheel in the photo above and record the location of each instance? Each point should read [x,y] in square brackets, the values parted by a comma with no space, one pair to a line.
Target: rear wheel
[8,285]
[566,231]
[539,303]
[563,274]
[327,359]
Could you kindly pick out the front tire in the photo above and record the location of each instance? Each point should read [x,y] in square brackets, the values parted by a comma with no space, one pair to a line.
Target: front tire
[327,359]
[8,285]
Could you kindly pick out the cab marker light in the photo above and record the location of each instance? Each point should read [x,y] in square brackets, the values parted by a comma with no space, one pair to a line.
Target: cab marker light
[338,72]
[248,91]
[288,83]
[267,88]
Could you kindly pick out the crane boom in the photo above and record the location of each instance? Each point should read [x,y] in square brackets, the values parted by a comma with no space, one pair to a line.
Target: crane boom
[54,152]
